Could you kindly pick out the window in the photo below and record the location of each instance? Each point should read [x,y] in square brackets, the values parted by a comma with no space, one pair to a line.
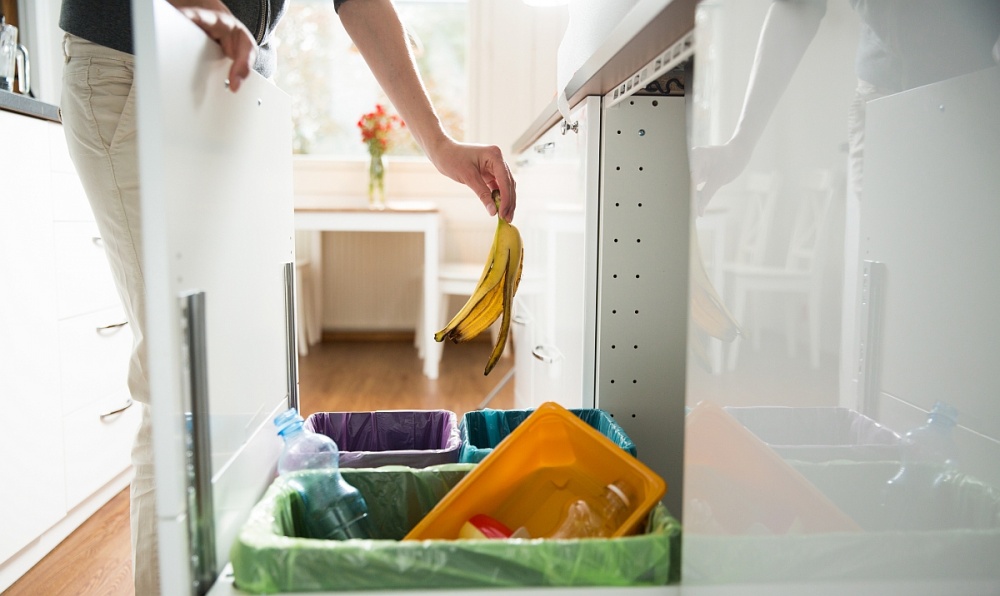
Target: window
[331,86]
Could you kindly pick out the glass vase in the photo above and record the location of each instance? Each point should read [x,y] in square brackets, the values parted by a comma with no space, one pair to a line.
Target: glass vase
[376,182]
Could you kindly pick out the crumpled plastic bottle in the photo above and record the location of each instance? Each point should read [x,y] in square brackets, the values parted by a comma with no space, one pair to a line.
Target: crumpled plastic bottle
[600,519]
[330,508]
[913,497]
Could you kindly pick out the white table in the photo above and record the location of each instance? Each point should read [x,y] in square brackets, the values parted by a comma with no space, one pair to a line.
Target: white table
[407,216]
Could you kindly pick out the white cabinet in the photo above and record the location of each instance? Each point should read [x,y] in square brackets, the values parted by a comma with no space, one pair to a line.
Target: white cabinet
[64,351]
[31,441]
[556,185]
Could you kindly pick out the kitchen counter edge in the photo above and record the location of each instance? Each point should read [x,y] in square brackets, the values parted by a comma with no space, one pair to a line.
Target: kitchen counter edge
[649,28]
[29,106]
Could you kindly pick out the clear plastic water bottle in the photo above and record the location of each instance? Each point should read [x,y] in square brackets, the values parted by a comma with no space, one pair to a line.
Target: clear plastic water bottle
[913,496]
[331,508]
[600,519]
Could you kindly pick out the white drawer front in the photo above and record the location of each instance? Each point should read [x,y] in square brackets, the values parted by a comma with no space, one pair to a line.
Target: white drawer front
[59,152]
[83,276]
[94,352]
[69,202]
[98,444]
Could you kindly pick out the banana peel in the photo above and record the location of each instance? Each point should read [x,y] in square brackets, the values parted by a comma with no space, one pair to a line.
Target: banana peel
[493,297]
[708,312]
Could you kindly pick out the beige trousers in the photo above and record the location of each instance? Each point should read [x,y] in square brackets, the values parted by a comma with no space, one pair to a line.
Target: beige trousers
[98,113]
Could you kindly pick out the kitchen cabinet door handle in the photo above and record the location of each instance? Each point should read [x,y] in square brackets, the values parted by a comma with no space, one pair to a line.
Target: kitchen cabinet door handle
[98,241]
[119,410]
[104,329]
[544,148]
[547,354]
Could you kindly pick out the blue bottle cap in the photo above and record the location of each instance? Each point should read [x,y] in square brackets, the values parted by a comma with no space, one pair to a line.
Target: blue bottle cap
[287,419]
[944,410]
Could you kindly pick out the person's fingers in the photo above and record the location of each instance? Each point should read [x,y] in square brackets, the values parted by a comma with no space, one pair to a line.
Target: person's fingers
[485,194]
[243,52]
[496,175]
[505,183]
[232,36]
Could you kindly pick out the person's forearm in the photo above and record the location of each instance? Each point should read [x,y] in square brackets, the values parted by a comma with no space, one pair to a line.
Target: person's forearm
[381,38]
[789,28]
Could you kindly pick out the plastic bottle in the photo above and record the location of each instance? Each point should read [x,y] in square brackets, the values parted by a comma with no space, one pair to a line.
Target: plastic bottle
[600,519]
[913,496]
[330,507]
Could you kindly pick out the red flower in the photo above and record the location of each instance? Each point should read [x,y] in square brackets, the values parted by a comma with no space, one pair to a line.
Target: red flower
[377,128]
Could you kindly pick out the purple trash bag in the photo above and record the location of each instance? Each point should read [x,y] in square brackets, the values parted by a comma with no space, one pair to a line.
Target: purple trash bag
[414,438]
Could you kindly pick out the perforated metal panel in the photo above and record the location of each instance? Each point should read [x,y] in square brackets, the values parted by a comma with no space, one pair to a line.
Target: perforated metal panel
[643,246]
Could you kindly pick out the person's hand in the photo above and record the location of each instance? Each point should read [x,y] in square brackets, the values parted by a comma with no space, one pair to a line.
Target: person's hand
[480,167]
[232,36]
[713,167]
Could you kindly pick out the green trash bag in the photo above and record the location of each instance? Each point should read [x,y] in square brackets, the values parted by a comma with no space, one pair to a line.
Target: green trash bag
[268,558]
[482,430]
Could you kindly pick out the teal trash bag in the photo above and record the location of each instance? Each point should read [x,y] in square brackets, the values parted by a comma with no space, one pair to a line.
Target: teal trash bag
[482,430]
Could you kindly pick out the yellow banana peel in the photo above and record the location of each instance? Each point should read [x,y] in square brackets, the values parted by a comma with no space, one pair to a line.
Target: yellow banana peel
[708,312]
[493,297]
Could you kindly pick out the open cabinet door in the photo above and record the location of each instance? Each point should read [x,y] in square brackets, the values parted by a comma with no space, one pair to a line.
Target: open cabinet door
[216,181]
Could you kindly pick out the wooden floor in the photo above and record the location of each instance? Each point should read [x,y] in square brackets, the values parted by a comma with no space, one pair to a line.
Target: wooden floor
[333,377]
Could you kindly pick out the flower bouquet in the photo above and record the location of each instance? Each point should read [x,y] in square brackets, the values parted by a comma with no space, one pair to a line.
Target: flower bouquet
[377,128]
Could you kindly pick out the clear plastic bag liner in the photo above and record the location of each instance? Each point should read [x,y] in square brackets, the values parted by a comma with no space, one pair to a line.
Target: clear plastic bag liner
[482,430]
[414,438]
[268,558]
[819,433]
[963,543]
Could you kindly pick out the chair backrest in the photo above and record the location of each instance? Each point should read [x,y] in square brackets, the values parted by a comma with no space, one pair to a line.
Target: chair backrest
[812,207]
[761,192]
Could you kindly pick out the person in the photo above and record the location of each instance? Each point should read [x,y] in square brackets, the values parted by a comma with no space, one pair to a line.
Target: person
[99,121]
[901,46]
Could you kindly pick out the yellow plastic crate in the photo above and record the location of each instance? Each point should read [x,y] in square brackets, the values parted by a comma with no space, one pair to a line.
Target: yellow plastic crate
[552,459]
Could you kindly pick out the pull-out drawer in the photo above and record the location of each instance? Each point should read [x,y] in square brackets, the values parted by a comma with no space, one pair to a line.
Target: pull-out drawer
[98,441]
[83,276]
[94,351]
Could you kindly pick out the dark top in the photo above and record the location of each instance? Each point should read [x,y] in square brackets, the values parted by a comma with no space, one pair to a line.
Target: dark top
[909,43]
[109,23]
